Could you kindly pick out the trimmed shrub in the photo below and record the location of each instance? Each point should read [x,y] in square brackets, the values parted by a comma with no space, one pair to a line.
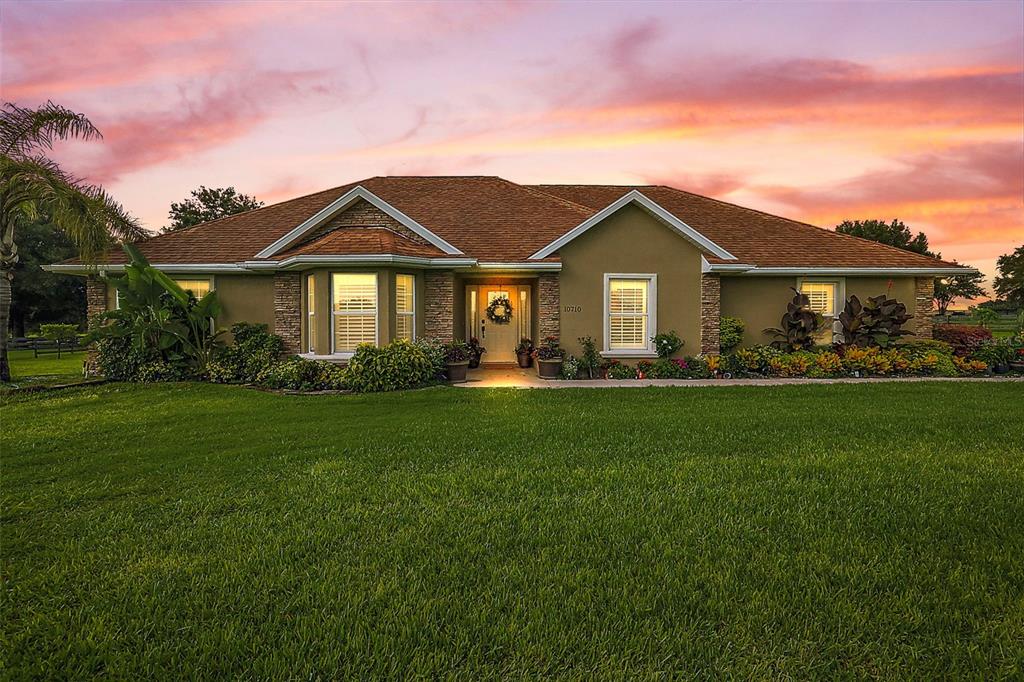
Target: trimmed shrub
[436,355]
[965,339]
[730,333]
[396,366]
[305,375]
[58,332]
[118,359]
[249,358]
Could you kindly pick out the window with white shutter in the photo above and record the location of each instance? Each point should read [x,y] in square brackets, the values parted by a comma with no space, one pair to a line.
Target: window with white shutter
[354,305]
[405,307]
[630,312]
[823,297]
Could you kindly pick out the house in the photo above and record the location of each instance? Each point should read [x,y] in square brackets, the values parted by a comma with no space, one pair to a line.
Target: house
[411,257]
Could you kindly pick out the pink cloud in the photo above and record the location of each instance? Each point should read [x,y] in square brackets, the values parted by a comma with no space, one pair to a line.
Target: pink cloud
[217,115]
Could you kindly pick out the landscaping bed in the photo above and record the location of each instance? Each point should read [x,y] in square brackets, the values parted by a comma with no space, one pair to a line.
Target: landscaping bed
[187,530]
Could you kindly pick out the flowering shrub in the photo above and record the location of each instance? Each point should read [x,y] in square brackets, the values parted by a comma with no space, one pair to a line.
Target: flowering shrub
[621,371]
[667,343]
[570,368]
[674,368]
[965,339]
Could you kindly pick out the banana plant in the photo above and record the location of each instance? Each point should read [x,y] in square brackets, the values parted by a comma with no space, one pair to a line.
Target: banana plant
[162,319]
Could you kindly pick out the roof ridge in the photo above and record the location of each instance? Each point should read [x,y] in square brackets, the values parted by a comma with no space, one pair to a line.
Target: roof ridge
[532,189]
[802,223]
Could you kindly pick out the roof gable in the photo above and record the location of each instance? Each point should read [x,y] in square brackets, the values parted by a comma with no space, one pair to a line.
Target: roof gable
[340,204]
[637,198]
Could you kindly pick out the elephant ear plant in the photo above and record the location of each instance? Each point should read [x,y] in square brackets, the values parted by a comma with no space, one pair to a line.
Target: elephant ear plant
[798,326]
[877,322]
[162,320]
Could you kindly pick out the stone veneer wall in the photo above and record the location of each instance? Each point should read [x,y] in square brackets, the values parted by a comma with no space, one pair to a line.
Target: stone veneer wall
[288,310]
[364,214]
[439,304]
[95,304]
[924,301]
[710,313]
[95,297]
[549,306]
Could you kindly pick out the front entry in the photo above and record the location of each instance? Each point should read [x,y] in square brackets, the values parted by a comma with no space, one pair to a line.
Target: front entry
[498,338]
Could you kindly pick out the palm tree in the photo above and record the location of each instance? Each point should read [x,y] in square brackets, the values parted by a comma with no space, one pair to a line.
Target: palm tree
[34,186]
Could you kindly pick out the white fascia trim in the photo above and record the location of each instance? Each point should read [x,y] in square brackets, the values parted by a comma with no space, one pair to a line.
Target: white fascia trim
[541,267]
[706,267]
[197,268]
[636,197]
[343,202]
[358,259]
[853,272]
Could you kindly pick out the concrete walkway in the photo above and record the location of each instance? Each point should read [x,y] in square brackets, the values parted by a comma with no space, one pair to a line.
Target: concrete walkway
[527,378]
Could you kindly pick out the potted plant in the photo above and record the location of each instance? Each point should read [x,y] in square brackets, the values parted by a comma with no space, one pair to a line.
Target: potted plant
[475,351]
[524,352]
[457,355]
[1017,364]
[549,358]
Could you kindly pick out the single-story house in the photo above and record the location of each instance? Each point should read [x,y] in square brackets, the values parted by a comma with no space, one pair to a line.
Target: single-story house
[409,257]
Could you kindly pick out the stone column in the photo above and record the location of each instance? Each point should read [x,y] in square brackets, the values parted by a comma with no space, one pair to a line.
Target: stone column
[438,305]
[924,302]
[710,313]
[95,305]
[549,300]
[95,297]
[288,310]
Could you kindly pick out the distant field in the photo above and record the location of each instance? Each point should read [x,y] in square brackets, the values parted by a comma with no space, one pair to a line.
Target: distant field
[1005,326]
[26,369]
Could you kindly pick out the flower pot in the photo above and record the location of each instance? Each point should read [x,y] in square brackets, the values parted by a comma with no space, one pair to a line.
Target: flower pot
[549,369]
[1017,366]
[457,371]
[524,360]
[474,361]
[1001,368]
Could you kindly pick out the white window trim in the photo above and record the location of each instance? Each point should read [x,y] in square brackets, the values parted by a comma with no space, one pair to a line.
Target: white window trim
[347,354]
[413,313]
[838,304]
[652,316]
[311,315]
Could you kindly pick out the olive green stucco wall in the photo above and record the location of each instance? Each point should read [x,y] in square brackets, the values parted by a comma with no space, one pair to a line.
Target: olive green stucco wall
[761,301]
[633,242]
[245,298]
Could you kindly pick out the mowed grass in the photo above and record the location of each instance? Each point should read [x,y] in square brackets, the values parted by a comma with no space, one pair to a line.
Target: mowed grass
[27,369]
[811,532]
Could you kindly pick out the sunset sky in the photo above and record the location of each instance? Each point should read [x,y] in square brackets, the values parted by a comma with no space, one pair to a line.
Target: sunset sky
[813,111]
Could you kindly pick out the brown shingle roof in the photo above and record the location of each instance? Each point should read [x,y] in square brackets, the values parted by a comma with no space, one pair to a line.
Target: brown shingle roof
[494,220]
[755,237]
[364,241]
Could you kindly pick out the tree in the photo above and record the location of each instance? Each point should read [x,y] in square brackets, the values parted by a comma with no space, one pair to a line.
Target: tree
[1009,283]
[33,186]
[894,234]
[209,204]
[948,289]
[38,296]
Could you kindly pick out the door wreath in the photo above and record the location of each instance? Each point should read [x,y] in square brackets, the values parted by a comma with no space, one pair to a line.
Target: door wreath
[500,310]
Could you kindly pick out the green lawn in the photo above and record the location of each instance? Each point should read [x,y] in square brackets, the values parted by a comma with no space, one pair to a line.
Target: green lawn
[26,369]
[820,531]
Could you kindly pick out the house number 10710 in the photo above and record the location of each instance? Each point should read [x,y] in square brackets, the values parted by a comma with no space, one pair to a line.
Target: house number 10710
[573,309]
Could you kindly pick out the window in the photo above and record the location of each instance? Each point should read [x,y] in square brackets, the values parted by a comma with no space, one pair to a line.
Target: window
[310,314]
[630,303]
[354,303]
[823,297]
[405,307]
[198,287]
